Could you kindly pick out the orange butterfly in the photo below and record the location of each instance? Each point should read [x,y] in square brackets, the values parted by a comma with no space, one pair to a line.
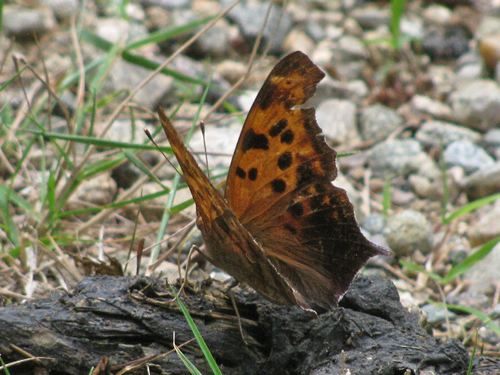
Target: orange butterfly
[282,228]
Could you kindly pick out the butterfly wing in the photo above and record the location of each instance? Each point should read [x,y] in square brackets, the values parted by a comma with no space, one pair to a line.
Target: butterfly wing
[229,245]
[279,186]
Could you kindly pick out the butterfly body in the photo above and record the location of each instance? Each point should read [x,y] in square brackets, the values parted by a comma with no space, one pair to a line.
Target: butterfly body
[282,227]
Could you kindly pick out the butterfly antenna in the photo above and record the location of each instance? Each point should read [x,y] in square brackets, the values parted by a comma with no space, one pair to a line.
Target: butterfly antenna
[202,127]
[159,149]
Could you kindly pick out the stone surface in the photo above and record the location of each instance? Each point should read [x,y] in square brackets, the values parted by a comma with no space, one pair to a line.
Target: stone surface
[439,134]
[377,122]
[399,157]
[487,228]
[467,155]
[337,118]
[477,105]
[25,23]
[482,183]
[408,231]
[483,276]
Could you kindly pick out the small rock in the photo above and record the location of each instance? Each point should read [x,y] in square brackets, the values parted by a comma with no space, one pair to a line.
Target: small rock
[322,25]
[231,70]
[63,9]
[487,26]
[483,276]
[427,106]
[409,231]
[400,157]
[482,183]
[486,229]
[495,311]
[437,134]
[467,155]
[437,314]
[25,23]
[374,223]
[371,17]
[445,43]
[489,48]
[378,121]
[249,19]
[298,40]
[168,4]
[477,105]
[213,42]
[488,335]
[125,76]
[115,30]
[99,190]
[437,14]
[433,189]
[345,57]
[442,78]
[219,139]
[491,142]
[475,300]
[122,130]
[337,118]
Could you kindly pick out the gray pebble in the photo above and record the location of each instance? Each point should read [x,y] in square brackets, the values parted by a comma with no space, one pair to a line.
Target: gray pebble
[477,104]
[337,118]
[249,19]
[482,278]
[439,134]
[482,183]
[400,157]
[371,17]
[377,122]
[374,223]
[467,155]
[63,9]
[408,231]
[427,106]
[437,314]
[486,228]
[25,23]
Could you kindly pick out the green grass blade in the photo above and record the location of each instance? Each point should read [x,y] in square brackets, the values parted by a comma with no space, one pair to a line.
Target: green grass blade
[197,335]
[104,45]
[416,268]
[189,365]
[143,167]
[471,207]
[471,311]
[397,8]
[470,261]
[165,34]
[386,203]
[115,205]
[100,142]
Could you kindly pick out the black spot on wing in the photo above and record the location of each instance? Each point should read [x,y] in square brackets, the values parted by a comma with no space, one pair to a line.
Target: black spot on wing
[285,160]
[252,174]
[255,141]
[287,137]
[278,128]
[278,185]
[240,173]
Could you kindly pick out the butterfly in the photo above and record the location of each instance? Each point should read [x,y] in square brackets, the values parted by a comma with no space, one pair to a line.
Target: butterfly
[281,227]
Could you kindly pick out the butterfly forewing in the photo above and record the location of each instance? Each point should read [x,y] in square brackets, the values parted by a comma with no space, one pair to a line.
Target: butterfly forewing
[280,147]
